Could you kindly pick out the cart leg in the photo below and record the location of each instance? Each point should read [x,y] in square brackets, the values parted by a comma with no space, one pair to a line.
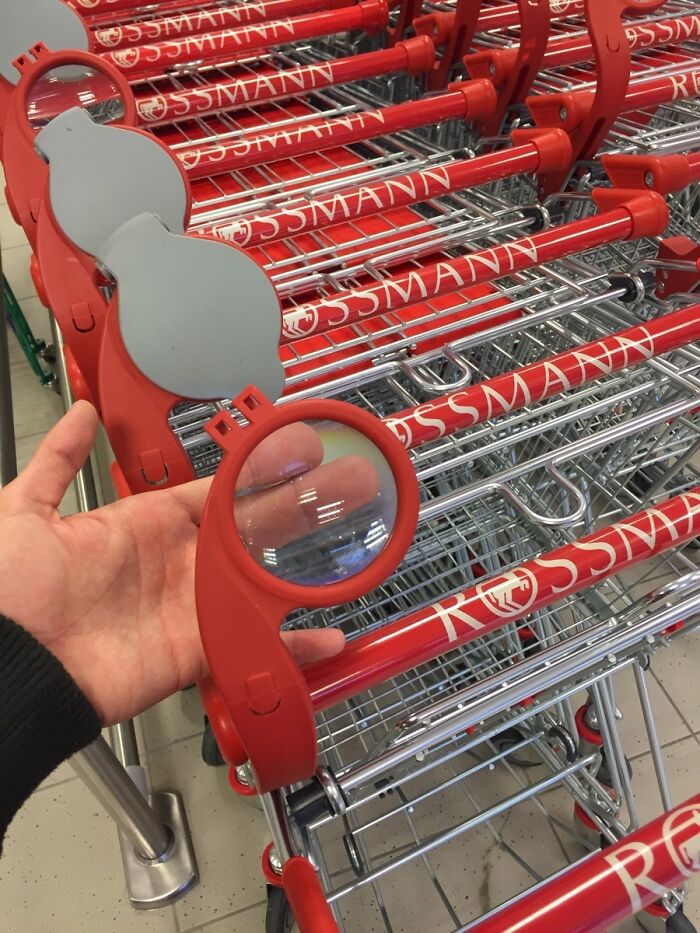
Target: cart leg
[156,847]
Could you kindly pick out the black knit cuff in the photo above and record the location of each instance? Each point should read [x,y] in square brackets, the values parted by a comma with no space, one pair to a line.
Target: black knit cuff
[44,717]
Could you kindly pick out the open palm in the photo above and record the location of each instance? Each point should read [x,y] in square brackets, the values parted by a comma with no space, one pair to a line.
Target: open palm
[110,592]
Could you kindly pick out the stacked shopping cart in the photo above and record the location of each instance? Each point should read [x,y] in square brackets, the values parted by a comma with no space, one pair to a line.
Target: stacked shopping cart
[478,224]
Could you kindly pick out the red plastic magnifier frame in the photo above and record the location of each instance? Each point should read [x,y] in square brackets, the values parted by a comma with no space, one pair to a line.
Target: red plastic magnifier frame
[26,172]
[256,696]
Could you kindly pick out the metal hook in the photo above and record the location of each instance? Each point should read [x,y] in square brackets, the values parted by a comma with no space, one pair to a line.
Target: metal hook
[548,520]
[436,386]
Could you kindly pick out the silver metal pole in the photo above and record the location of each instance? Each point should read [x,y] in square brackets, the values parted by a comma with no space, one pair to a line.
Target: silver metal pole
[99,768]
[8,454]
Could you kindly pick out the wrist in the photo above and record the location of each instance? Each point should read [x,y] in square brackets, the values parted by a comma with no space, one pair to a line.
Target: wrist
[44,716]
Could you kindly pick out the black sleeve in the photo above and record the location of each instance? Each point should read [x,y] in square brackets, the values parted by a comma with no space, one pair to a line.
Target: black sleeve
[44,717]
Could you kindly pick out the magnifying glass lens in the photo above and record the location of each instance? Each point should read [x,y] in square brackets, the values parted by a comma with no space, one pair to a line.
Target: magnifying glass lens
[315,503]
[66,86]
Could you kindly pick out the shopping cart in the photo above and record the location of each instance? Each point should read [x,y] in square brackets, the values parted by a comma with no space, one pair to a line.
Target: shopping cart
[529,357]
[405,748]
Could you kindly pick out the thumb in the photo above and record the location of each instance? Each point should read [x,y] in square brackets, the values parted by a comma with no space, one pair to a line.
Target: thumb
[57,459]
[309,645]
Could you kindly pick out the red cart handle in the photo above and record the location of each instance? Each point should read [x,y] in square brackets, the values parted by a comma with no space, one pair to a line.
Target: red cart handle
[144,32]
[612,884]
[469,100]
[532,384]
[95,7]
[497,64]
[458,33]
[443,28]
[537,151]
[571,110]
[624,215]
[149,60]
[508,597]
[613,57]
[414,56]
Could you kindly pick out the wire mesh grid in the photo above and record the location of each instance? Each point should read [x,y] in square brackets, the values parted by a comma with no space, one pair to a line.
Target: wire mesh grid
[411,820]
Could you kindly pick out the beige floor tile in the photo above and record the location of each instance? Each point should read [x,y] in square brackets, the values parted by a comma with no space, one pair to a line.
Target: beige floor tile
[64,772]
[36,407]
[178,717]
[669,724]
[62,870]
[15,267]
[247,921]
[676,669]
[11,234]
[229,835]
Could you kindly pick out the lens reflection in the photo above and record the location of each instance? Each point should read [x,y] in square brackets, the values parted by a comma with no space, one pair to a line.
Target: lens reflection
[315,503]
[59,89]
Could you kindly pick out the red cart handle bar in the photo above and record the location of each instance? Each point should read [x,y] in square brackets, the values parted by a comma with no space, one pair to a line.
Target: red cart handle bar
[536,382]
[414,56]
[612,884]
[497,64]
[470,100]
[570,109]
[639,214]
[145,61]
[507,597]
[456,30]
[194,22]
[535,151]
[94,7]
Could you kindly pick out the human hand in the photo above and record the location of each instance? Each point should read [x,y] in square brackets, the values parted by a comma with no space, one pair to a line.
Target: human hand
[111,592]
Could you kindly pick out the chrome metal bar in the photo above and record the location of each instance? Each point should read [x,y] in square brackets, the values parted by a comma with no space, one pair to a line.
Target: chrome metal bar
[98,767]
[8,453]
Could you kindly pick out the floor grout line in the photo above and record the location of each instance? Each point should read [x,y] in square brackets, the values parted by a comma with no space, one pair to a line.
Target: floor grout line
[670,699]
[55,784]
[234,913]
[667,745]
[184,738]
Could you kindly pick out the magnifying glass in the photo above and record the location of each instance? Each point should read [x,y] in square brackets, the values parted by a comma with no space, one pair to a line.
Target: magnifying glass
[314,504]
[50,84]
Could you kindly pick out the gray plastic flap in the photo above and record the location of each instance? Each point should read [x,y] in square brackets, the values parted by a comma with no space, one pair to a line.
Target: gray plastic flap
[199,318]
[23,23]
[102,176]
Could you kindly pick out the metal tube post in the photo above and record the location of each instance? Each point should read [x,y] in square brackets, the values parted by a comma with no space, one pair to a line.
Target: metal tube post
[8,456]
[99,768]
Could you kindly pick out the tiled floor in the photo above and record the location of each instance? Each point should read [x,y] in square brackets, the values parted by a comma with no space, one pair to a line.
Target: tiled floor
[61,869]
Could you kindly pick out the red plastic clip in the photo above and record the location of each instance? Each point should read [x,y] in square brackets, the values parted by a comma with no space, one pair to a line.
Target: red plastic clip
[514,82]
[590,118]
[458,33]
[664,174]
[671,281]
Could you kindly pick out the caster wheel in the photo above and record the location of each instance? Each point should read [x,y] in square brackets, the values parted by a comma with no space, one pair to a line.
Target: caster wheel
[279,917]
[509,738]
[210,750]
[604,775]
[679,923]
